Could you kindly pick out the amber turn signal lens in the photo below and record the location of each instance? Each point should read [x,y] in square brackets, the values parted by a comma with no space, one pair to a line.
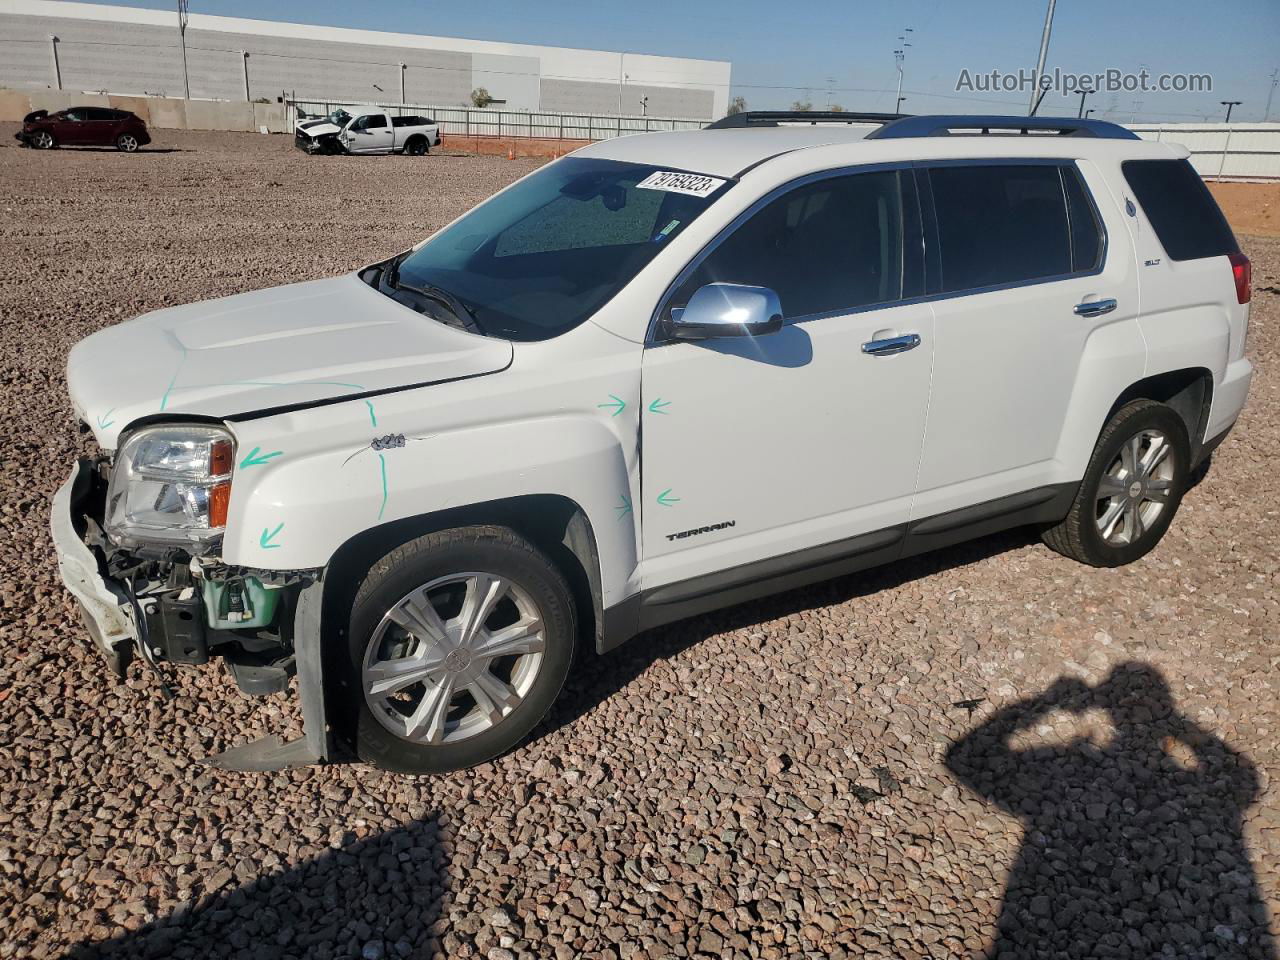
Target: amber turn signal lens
[219,499]
[220,458]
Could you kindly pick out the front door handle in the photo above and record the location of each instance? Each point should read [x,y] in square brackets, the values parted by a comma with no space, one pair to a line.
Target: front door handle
[891,345]
[1095,308]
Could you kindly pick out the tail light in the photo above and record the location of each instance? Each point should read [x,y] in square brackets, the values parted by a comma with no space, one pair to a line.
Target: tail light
[1242,270]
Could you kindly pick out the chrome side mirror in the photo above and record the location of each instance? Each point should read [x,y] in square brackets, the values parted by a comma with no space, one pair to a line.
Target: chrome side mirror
[727,310]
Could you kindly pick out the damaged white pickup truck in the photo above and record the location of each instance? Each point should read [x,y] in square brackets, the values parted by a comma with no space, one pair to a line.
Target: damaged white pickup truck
[367,131]
[664,374]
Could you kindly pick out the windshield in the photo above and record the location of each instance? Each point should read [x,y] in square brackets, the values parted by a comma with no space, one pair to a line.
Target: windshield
[545,255]
[338,117]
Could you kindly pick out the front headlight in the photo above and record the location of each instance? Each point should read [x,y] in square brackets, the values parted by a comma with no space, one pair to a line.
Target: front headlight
[170,487]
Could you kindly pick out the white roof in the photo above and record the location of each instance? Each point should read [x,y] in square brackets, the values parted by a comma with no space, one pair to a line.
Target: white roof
[728,152]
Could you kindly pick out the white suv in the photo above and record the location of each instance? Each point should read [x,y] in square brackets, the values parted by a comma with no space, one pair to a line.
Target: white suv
[664,374]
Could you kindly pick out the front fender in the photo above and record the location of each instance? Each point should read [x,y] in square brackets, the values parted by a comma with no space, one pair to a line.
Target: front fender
[310,480]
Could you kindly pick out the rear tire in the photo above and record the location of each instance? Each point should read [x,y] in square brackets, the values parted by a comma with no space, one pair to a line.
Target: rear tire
[1131,489]
[417,147]
[490,636]
[127,143]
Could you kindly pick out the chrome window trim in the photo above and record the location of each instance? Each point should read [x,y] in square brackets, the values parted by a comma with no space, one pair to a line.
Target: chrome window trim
[651,335]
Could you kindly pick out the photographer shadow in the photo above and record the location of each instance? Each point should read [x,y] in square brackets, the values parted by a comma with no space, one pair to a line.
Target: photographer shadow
[1132,847]
[376,897]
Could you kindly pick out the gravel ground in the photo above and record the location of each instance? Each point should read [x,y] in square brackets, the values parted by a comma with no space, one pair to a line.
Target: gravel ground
[989,749]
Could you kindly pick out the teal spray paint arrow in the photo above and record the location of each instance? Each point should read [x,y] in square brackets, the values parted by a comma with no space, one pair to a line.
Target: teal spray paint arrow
[103,422]
[666,499]
[256,458]
[617,403]
[658,405]
[624,507]
[264,541]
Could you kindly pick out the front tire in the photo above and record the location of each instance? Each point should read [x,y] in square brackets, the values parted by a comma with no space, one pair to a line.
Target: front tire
[43,140]
[1131,489]
[459,643]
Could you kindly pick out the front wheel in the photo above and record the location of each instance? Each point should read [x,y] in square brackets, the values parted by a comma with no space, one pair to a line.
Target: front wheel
[43,140]
[127,143]
[1131,489]
[459,643]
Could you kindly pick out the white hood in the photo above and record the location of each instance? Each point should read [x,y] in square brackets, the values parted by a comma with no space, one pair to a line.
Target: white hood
[298,344]
[316,128]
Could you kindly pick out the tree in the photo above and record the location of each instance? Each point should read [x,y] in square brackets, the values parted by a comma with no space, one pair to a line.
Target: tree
[836,108]
[737,105]
[480,97]
[802,106]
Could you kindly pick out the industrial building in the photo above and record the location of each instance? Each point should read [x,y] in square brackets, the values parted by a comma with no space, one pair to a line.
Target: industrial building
[86,47]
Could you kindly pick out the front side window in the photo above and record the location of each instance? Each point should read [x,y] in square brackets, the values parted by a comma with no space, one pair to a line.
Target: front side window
[547,253]
[1009,223]
[834,244]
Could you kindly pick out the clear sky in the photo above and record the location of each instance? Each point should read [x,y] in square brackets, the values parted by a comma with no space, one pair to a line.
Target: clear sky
[843,49]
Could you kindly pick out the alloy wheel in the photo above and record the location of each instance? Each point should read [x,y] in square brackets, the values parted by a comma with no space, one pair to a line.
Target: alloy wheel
[44,140]
[453,658]
[127,142]
[1135,489]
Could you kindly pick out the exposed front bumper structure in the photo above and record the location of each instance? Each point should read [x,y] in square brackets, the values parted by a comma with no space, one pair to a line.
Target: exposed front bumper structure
[109,618]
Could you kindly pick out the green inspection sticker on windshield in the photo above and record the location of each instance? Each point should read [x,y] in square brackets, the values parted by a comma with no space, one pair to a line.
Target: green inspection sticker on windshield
[693,184]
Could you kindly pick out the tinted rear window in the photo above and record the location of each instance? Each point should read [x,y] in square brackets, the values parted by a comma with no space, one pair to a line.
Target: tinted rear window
[1000,224]
[1180,208]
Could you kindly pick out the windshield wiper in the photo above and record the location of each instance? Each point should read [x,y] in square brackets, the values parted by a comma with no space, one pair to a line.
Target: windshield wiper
[432,292]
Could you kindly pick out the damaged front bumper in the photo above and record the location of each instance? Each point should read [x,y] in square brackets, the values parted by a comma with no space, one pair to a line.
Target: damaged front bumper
[171,627]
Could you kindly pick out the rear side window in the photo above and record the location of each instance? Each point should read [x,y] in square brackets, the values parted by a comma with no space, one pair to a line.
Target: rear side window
[835,244]
[1012,223]
[1180,208]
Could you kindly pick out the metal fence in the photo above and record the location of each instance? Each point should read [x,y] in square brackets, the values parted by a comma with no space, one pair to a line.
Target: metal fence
[1223,151]
[486,122]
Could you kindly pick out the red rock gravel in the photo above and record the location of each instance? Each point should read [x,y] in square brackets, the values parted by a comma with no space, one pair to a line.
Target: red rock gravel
[857,769]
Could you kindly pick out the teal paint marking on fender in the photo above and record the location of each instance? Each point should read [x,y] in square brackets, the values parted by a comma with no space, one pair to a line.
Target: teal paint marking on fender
[256,458]
[617,403]
[658,405]
[382,461]
[264,541]
[373,419]
[164,400]
[103,422]
[666,499]
[624,507]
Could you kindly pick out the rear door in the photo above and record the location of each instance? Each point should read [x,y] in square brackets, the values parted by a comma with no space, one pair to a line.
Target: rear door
[759,448]
[1022,278]
[100,126]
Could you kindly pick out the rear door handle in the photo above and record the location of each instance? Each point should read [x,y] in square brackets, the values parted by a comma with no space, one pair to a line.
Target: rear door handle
[891,345]
[1096,308]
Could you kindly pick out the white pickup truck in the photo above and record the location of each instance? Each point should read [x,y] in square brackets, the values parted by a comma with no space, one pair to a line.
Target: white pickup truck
[368,131]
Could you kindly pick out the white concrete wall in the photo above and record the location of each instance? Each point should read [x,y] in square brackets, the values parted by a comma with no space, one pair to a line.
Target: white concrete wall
[131,50]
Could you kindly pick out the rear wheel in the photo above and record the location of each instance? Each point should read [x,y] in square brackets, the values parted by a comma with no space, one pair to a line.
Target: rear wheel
[417,147]
[43,140]
[459,643]
[1131,489]
[127,143]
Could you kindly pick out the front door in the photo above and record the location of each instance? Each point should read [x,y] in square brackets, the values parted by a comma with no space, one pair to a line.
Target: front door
[756,448]
[370,134]
[69,126]
[1022,287]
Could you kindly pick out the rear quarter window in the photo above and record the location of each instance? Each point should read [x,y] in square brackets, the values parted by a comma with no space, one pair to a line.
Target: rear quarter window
[1180,208]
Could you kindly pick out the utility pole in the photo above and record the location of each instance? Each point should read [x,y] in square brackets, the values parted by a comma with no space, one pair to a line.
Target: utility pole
[644,106]
[1275,79]
[182,40]
[622,59]
[1229,104]
[403,66]
[1044,53]
[244,55]
[899,56]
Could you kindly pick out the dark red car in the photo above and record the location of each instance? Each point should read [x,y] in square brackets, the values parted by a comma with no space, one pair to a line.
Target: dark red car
[84,127]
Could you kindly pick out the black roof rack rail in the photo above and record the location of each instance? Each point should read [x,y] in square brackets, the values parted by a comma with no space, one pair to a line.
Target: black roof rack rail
[964,125]
[771,118]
